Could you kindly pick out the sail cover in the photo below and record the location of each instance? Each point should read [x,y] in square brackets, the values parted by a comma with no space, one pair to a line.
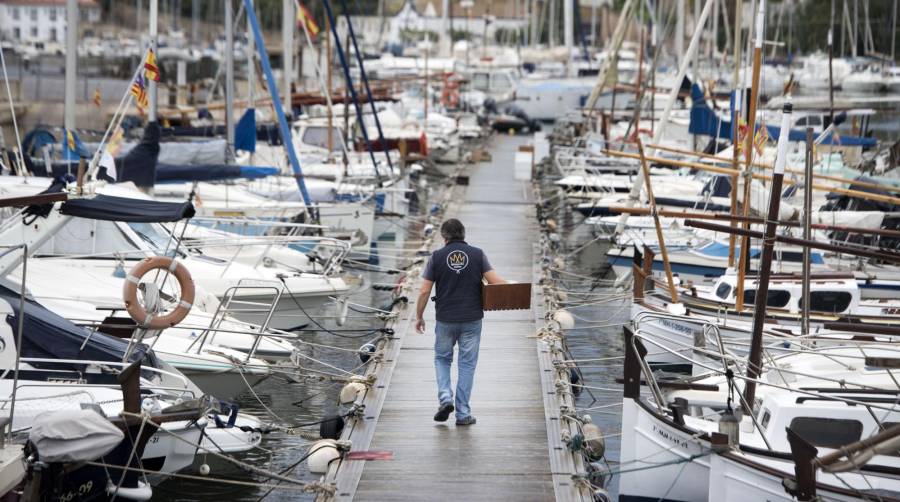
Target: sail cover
[170,173]
[110,208]
[47,335]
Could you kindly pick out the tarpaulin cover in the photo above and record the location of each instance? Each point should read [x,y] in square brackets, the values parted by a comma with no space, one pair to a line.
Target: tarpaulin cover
[139,165]
[177,173]
[50,336]
[110,208]
[245,132]
[73,436]
[705,121]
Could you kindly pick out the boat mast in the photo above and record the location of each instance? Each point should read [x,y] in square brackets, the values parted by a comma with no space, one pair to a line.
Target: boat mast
[754,367]
[151,83]
[71,63]
[251,65]
[743,259]
[831,67]
[229,82]
[568,29]
[807,216]
[738,90]
[287,43]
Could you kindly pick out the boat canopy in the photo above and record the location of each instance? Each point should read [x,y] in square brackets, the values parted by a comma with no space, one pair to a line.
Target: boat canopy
[111,208]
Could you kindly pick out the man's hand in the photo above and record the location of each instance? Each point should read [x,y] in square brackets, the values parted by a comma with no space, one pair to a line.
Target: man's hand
[420,326]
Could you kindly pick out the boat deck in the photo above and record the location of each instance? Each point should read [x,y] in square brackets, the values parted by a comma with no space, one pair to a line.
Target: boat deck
[506,455]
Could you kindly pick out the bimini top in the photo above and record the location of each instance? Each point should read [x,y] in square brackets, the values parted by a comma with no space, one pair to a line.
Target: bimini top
[111,208]
[47,335]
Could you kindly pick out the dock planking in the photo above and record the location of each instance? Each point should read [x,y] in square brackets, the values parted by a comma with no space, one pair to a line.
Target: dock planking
[506,455]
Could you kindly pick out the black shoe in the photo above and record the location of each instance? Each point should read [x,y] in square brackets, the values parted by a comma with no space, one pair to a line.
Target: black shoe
[469,420]
[443,412]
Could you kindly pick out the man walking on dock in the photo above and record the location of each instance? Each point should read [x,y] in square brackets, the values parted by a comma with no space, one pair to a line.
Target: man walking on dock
[458,270]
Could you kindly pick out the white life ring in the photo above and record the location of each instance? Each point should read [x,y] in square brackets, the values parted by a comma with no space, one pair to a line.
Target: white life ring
[138,312]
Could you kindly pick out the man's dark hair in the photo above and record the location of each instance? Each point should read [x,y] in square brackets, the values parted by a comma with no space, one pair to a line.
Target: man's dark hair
[453,230]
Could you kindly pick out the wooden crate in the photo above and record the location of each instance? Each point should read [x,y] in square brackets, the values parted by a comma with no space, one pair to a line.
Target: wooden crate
[514,296]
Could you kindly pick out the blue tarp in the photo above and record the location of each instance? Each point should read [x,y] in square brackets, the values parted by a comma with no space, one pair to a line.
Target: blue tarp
[705,121]
[109,208]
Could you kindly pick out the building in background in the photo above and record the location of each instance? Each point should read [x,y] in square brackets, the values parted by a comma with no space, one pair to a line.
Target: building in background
[29,21]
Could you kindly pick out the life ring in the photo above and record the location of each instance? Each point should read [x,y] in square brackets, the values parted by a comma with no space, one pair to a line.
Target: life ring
[138,312]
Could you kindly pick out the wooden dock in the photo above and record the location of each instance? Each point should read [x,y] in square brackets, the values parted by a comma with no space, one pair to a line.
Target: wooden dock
[507,455]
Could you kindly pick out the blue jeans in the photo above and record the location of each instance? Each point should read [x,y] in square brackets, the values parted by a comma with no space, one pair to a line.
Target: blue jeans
[468,336]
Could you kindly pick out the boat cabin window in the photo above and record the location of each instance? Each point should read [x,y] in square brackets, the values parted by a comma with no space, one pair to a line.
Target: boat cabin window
[766,416]
[318,136]
[827,432]
[501,82]
[723,290]
[829,301]
[481,81]
[154,237]
[811,120]
[775,298]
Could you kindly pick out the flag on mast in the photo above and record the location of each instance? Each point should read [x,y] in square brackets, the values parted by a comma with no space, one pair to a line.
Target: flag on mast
[304,16]
[151,70]
[98,98]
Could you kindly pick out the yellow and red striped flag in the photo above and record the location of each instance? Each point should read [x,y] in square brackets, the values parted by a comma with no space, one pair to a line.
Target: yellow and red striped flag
[304,16]
[151,70]
[98,98]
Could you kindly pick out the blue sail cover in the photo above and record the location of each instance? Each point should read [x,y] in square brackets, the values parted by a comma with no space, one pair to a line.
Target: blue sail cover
[139,165]
[109,208]
[245,132]
[705,121]
[170,173]
[49,336]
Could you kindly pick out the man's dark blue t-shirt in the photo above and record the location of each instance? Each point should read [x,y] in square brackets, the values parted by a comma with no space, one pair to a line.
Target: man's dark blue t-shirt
[457,270]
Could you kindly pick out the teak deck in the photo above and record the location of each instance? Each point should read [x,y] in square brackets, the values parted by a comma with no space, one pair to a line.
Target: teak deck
[505,456]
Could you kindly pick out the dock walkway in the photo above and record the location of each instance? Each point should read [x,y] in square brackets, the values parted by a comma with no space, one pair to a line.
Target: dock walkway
[505,456]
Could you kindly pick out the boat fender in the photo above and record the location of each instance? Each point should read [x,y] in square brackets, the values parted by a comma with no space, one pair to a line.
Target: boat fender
[559,263]
[365,352]
[575,381]
[428,230]
[138,312]
[351,391]
[551,225]
[564,319]
[601,495]
[562,296]
[140,492]
[594,442]
[342,307]
[204,469]
[331,427]
[321,454]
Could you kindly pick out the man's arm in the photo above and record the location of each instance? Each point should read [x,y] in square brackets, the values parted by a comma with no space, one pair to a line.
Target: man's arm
[424,293]
[492,277]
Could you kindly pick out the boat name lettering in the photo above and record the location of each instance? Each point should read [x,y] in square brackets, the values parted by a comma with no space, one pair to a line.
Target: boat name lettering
[677,327]
[77,381]
[670,437]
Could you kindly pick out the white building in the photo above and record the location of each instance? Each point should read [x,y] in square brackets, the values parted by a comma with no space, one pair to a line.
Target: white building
[373,30]
[41,20]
